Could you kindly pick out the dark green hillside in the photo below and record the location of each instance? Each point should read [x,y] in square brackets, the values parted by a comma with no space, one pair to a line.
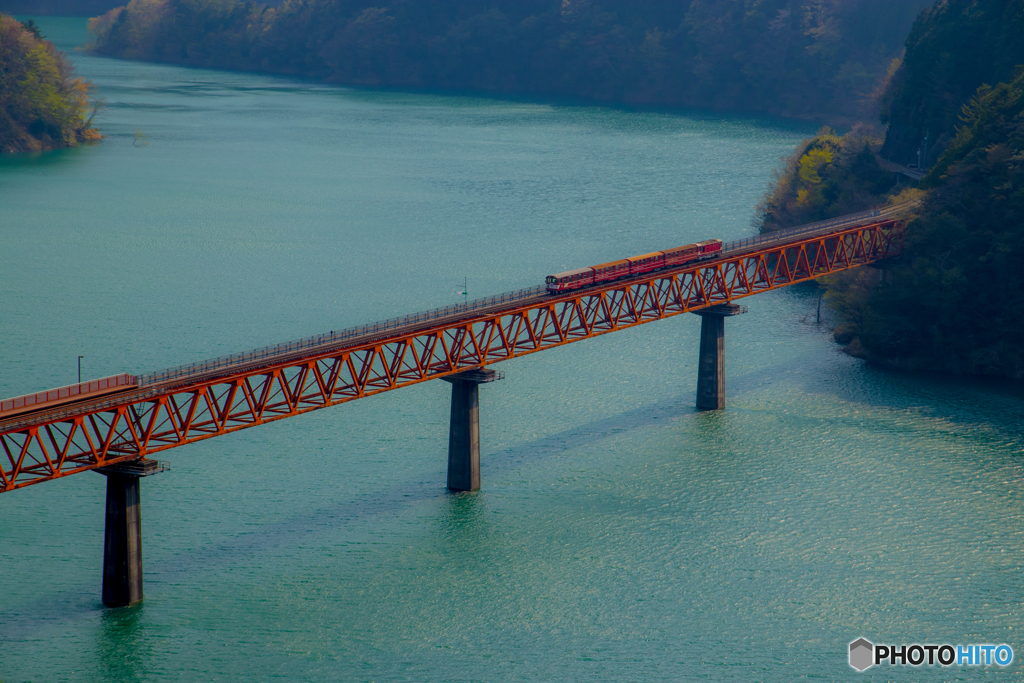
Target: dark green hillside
[958,305]
[957,302]
[42,104]
[65,8]
[955,47]
[807,59]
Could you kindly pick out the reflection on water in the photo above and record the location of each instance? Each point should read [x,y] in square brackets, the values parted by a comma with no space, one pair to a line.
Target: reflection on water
[123,649]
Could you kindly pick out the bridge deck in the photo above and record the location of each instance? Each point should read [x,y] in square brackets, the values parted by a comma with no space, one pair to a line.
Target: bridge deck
[180,405]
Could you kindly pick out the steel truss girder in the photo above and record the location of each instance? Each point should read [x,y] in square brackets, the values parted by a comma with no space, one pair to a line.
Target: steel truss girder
[211,407]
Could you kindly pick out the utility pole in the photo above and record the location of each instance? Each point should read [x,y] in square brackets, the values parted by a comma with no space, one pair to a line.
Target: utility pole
[80,369]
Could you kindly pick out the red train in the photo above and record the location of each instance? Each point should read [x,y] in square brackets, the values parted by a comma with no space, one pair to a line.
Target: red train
[613,270]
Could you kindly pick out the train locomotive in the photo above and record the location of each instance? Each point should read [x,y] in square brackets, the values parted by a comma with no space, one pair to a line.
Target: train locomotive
[637,265]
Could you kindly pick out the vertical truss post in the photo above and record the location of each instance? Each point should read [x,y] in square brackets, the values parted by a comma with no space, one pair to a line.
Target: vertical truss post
[122,540]
[464,429]
[711,358]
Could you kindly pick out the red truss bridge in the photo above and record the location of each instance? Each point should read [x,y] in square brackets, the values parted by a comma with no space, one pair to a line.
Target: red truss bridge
[112,425]
[127,418]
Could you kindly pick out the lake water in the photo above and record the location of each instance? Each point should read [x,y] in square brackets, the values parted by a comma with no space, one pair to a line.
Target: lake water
[620,535]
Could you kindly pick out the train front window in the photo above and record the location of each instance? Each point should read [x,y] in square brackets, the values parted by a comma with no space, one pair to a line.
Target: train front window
[551,280]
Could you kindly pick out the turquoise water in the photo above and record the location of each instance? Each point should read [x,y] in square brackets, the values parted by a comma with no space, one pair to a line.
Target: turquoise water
[619,536]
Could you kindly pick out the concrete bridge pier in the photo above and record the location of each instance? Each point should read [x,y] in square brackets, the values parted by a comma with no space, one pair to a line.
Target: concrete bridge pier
[711,362]
[464,431]
[122,541]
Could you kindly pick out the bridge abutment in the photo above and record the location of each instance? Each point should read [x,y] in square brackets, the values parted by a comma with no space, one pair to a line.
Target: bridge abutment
[711,359]
[122,540]
[464,429]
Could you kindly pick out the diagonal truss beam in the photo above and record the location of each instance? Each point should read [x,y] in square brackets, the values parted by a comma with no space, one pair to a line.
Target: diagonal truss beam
[167,416]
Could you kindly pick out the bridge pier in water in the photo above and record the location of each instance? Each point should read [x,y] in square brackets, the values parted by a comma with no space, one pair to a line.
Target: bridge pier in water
[711,359]
[122,539]
[464,429]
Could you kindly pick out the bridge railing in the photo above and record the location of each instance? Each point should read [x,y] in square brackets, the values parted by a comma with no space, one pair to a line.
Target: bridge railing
[811,228]
[19,404]
[335,336]
[341,336]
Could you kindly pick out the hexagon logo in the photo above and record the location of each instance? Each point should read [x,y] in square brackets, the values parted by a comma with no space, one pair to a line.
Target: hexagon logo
[862,654]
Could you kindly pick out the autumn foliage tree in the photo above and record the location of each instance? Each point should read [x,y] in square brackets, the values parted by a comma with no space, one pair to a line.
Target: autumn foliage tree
[42,104]
[828,175]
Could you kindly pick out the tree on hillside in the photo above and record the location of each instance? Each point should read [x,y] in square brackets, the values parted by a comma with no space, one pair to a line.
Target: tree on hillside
[42,104]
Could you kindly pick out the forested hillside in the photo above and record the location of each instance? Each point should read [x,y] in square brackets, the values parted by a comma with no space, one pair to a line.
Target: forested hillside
[811,58]
[953,49]
[827,176]
[956,304]
[42,104]
[66,8]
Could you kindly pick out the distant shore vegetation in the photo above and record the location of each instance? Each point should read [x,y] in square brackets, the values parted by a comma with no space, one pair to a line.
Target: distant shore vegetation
[955,110]
[807,59]
[63,8]
[43,105]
